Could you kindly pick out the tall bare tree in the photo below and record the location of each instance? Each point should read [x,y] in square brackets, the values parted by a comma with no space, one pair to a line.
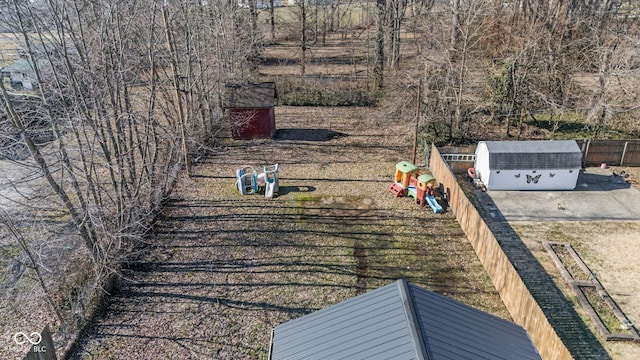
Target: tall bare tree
[303,37]
[378,69]
[128,89]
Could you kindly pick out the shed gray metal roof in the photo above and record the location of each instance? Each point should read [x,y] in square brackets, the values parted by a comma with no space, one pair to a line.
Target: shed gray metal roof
[400,321]
[544,154]
[250,96]
[23,66]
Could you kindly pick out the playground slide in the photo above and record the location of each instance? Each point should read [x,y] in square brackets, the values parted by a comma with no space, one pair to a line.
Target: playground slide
[239,184]
[434,204]
[269,188]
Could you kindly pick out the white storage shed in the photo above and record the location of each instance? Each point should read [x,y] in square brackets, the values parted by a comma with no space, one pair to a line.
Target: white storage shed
[528,165]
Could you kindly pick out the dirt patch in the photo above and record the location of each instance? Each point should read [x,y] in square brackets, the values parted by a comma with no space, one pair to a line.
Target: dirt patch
[569,263]
[338,209]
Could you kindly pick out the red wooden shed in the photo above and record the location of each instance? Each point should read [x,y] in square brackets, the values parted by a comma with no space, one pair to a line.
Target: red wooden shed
[251,110]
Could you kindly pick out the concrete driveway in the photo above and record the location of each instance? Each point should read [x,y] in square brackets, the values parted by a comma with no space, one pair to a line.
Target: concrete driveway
[599,195]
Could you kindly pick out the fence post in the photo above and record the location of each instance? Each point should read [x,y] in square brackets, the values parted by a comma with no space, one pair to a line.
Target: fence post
[585,151]
[624,152]
[427,153]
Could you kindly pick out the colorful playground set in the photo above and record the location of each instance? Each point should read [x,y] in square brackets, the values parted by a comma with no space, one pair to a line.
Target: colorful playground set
[250,181]
[409,183]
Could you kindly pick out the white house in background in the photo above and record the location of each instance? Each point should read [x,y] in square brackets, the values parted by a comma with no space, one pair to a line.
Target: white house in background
[528,165]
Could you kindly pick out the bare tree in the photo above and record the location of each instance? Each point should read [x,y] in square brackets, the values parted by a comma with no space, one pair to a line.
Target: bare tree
[32,262]
[272,20]
[128,90]
[176,78]
[396,11]
[303,37]
[616,92]
[378,69]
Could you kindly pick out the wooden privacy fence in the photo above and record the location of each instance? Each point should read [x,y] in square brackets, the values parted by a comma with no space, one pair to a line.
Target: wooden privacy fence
[594,153]
[612,152]
[520,303]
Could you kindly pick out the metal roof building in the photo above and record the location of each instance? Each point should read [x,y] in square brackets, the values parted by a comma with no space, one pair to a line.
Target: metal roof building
[400,321]
[22,75]
[528,165]
[251,109]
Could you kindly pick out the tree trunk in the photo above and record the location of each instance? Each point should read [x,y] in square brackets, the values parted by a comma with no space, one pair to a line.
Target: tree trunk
[332,15]
[176,85]
[378,70]
[253,14]
[398,15]
[521,123]
[303,37]
[272,19]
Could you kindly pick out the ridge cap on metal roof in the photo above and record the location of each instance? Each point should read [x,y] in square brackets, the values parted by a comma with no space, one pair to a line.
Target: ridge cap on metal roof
[422,338]
[413,325]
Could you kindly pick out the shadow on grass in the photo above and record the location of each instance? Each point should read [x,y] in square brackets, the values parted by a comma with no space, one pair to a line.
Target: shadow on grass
[238,263]
[306,146]
[308,134]
[284,190]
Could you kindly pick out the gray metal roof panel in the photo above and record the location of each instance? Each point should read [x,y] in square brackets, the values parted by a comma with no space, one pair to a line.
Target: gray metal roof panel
[534,161]
[24,66]
[327,344]
[384,324]
[533,146]
[250,96]
[452,330]
[354,311]
[373,324]
[535,155]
